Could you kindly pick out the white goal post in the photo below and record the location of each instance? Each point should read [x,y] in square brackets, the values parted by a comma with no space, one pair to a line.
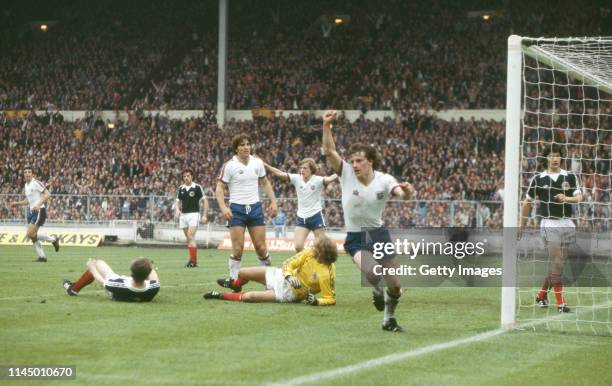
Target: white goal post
[579,68]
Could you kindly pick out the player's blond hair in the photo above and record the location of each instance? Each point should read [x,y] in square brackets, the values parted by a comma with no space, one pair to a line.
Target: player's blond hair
[326,249]
[312,165]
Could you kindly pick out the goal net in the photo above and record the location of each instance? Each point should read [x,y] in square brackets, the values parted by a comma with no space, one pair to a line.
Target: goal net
[559,97]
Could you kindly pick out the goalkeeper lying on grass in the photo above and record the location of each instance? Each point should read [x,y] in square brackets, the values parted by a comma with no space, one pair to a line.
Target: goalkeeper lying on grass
[304,275]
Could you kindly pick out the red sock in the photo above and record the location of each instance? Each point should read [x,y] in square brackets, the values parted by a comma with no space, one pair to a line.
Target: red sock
[545,287]
[233,296]
[193,254]
[85,279]
[557,284]
[239,282]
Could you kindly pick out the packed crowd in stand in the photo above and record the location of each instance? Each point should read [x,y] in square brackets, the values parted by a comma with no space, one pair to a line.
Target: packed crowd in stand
[144,157]
[160,56]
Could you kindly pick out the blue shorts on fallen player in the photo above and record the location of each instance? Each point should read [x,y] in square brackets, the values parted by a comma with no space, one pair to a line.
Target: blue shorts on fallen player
[246,215]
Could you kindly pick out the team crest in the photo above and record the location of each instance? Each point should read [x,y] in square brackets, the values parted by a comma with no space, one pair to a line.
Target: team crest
[355,192]
[241,171]
[565,185]
[315,276]
[380,195]
[312,187]
[191,194]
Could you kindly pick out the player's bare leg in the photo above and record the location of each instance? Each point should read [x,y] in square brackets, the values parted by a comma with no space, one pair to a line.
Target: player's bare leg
[300,234]
[258,235]
[237,236]
[245,275]
[366,264]
[103,268]
[392,296]
[190,233]
[318,233]
[558,256]
[32,233]
[267,296]
[259,296]
[93,266]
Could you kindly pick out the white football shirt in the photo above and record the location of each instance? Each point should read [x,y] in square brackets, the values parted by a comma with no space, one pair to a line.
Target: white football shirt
[243,180]
[308,194]
[363,205]
[33,192]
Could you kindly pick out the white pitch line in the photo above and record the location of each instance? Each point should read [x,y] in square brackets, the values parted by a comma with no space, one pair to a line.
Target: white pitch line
[387,359]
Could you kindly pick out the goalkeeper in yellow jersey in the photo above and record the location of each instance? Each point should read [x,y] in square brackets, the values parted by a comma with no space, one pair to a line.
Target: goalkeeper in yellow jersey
[303,276]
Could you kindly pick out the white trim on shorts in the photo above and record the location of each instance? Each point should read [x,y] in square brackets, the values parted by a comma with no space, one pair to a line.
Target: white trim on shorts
[189,220]
[276,281]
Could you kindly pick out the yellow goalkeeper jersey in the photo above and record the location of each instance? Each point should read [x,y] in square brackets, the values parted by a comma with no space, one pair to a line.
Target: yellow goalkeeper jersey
[314,276]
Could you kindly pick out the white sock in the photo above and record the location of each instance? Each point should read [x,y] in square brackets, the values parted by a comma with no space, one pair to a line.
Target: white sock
[44,237]
[234,267]
[391,303]
[39,249]
[266,261]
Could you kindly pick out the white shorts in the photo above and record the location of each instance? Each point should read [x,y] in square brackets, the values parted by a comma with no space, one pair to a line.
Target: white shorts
[559,231]
[276,281]
[189,220]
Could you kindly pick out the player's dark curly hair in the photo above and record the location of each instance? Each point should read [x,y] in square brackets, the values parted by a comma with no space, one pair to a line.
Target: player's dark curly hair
[551,148]
[187,171]
[369,151]
[141,268]
[326,248]
[237,140]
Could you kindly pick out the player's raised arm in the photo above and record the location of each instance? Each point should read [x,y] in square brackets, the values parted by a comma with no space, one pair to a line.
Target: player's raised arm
[276,172]
[329,146]
[220,193]
[267,188]
[330,179]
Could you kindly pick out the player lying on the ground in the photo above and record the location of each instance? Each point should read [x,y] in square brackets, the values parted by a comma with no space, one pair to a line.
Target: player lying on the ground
[301,277]
[308,187]
[141,286]
[36,197]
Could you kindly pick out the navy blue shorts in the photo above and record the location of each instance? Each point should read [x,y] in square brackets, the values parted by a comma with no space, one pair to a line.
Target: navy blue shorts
[365,240]
[312,223]
[246,215]
[37,217]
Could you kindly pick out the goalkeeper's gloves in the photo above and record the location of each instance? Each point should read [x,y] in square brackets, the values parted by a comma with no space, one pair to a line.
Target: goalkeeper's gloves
[311,299]
[293,281]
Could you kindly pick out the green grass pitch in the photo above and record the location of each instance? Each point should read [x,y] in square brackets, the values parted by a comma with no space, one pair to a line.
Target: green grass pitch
[181,339]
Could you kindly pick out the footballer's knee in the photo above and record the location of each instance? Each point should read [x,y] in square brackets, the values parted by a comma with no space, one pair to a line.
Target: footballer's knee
[395,291]
[261,250]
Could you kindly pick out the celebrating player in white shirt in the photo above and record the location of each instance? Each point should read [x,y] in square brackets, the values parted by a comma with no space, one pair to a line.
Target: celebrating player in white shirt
[365,192]
[36,197]
[189,198]
[243,174]
[308,187]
